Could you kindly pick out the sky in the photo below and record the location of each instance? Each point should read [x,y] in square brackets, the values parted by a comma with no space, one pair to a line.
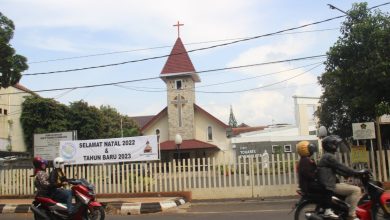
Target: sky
[71,34]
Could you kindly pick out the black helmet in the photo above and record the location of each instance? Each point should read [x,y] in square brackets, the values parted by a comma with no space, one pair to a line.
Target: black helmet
[330,143]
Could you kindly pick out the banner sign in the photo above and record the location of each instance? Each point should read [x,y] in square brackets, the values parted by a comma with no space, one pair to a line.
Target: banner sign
[47,145]
[141,148]
[359,154]
[364,130]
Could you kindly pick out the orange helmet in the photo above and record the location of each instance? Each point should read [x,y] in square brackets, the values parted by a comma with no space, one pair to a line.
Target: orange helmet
[305,148]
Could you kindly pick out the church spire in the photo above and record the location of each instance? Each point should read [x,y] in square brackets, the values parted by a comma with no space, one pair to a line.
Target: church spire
[232,119]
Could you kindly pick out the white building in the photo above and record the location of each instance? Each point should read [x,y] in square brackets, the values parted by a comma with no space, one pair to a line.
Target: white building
[11,132]
[281,138]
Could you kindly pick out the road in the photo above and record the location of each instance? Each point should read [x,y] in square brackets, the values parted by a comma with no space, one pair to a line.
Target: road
[221,210]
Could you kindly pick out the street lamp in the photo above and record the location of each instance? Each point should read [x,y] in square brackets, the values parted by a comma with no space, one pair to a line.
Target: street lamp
[335,8]
[158,142]
[178,141]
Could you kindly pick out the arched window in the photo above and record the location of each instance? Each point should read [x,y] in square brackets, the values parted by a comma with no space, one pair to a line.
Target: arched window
[209,133]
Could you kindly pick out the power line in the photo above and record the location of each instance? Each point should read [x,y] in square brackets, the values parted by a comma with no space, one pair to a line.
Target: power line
[161,47]
[261,87]
[199,49]
[152,78]
[143,89]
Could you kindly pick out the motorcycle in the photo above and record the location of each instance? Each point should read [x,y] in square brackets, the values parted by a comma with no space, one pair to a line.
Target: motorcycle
[86,205]
[374,204]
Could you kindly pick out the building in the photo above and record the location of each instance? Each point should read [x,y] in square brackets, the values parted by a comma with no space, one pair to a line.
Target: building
[281,138]
[203,134]
[11,132]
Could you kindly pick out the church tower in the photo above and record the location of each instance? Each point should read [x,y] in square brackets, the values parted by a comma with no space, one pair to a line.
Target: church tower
[180,77]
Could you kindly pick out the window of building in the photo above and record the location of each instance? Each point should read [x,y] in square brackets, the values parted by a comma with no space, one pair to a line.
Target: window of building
[5,112]
[277,149]
[287,148]
[179,84]
[209,133]
[1,111]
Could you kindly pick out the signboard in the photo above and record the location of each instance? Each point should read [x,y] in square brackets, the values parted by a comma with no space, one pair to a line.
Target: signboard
[364,130]
[47,145]
[385,119]
[359,154]
[4,144]
[141,148]
[247,150]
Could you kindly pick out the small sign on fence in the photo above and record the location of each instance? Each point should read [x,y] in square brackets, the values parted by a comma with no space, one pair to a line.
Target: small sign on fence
[359,154]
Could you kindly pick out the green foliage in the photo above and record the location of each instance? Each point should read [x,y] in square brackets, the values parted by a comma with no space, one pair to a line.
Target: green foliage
[87,120]
[232,119]
[357,72]
[42,115]
[111,127]
[11,64]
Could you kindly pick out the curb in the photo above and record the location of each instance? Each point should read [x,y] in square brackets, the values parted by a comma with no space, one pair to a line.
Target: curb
[144,208]
[135,208]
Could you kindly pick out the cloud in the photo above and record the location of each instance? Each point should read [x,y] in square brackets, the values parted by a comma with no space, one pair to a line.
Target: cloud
[138,17]
[53,44]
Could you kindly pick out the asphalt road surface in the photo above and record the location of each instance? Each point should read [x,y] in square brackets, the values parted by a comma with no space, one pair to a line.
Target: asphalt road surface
[215,210]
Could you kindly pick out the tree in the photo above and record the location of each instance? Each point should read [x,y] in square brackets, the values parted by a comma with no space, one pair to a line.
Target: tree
[357,72]
[44,115]
[112,121]
[232,119]
[87,120]
[11,64]
[40,115]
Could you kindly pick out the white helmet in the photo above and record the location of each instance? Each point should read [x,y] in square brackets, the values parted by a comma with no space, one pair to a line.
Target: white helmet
[58,162]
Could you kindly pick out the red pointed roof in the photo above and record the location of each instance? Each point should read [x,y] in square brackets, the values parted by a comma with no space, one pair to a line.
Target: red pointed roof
[179,62]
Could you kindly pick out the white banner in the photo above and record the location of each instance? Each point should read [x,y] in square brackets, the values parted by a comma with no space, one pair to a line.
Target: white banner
[47,145]
[141,148]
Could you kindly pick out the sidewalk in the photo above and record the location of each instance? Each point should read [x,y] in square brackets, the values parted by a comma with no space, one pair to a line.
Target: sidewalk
[121,206]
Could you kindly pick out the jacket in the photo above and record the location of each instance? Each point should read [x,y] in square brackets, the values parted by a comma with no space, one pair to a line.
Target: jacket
[42,184]
[57,178]
[328,167]
[306,173]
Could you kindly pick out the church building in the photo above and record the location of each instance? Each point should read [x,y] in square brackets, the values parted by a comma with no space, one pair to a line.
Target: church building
[203,134]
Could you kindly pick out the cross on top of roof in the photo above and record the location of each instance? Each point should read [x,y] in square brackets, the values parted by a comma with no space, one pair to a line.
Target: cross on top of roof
[178,28]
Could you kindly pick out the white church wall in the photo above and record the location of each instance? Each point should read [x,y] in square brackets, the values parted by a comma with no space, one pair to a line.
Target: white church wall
[219,134]
[162,125]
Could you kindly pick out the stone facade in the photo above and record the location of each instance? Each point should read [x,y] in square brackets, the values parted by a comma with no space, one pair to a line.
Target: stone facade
[187,98]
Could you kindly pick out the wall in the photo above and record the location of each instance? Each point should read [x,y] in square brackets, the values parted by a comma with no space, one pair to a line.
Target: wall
[219,134]
[187,128]
[10,125]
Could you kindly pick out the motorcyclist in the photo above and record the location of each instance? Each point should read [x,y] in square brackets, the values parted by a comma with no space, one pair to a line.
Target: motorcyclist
[307,174]
[57,180]
[329,166]
[41,181]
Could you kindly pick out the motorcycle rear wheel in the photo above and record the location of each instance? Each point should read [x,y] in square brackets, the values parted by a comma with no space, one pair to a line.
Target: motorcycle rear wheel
[98,213]
[380,214]
[305,207]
